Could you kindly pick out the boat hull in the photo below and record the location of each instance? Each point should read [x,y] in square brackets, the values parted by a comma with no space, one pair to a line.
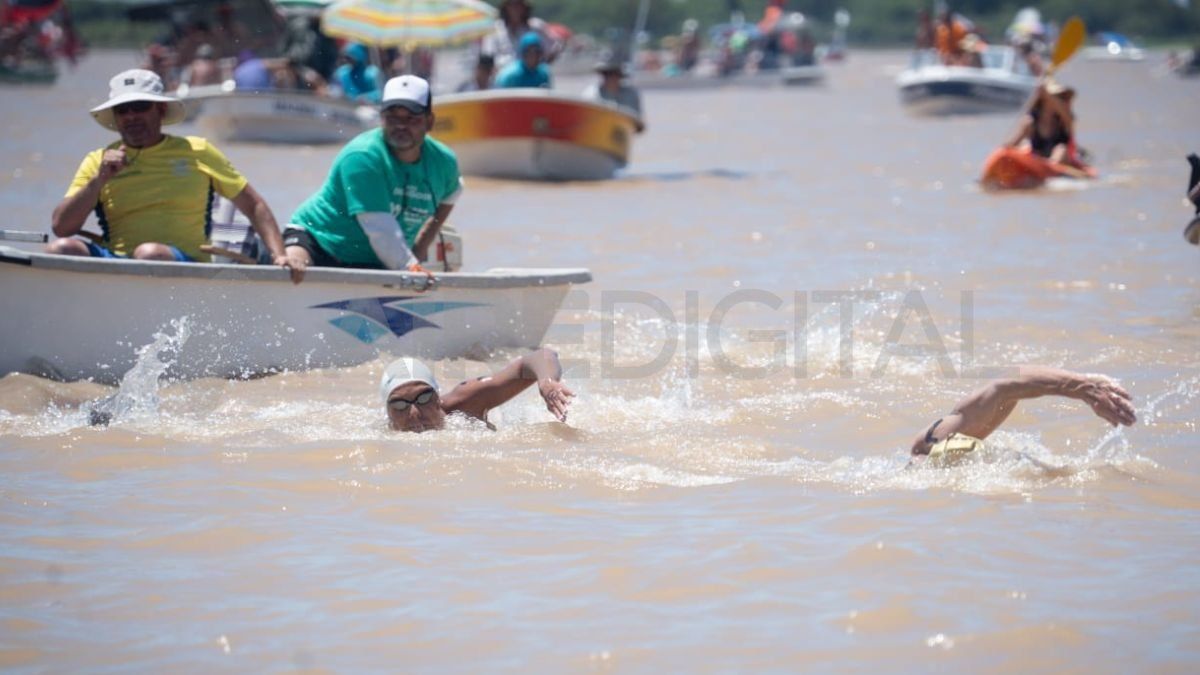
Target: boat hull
[1012,169]
[951,95]
[534,134]
[279,117]
[77,318]
[929,87]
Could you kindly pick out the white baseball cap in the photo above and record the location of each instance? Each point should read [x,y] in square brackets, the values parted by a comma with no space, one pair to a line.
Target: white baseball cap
[137,85]
[402,371]
[409,91]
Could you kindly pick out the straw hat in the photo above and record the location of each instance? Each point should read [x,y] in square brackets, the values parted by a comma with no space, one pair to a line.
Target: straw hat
[137,85]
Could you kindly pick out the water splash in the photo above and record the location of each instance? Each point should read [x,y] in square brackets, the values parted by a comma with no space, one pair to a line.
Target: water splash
[137,394]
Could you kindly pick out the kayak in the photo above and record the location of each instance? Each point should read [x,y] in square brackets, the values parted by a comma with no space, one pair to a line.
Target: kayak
[1013,169]
[76,318]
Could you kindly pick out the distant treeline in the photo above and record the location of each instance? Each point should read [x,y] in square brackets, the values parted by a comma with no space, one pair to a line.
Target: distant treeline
[885,22]
[873,22]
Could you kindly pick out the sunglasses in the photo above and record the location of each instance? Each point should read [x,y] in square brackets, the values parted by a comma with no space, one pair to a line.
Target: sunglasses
[400,405]
[133,107]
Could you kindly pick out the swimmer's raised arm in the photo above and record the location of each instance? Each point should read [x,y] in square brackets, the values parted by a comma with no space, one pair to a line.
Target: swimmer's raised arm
[984,410]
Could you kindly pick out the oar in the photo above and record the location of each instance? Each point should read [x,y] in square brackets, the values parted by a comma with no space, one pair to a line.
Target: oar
[40,237]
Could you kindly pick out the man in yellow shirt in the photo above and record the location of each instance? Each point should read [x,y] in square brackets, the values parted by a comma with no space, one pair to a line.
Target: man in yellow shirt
[152,193]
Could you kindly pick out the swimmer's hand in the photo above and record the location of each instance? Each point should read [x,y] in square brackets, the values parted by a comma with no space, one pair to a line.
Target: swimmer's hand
[557,397]
[1107,399]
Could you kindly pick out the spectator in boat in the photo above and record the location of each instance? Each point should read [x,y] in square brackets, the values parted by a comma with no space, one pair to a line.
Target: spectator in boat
[296,76]
[1032,58]
[980,413]
[517,20]
[387,194]
[529,70]
[949,37]
[232,36]
[357,78]
[972,47]
[481,78]
[1049,129]
[414,402]
[689,45]
[204,69]
[152,193]
[306,43]
[925,31]
[613,88]
[252,73]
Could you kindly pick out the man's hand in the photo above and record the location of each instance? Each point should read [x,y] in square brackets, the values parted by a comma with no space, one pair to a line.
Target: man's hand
[557,397]
[112,163]
[420,251]
[292,264]
[1108,400]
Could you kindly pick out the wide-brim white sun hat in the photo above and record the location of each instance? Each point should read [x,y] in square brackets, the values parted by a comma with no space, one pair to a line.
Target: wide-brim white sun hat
[137,85]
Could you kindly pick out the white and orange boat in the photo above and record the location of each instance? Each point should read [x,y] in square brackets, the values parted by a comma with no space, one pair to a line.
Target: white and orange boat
[534,134]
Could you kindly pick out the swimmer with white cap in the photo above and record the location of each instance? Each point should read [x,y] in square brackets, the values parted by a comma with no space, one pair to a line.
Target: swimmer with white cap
[414,402]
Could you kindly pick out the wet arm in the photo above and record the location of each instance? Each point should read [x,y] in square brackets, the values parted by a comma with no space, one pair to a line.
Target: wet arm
[477,397]
[429,231]
[984,410]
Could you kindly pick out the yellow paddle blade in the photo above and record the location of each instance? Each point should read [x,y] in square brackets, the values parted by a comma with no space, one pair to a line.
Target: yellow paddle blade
[1069,41]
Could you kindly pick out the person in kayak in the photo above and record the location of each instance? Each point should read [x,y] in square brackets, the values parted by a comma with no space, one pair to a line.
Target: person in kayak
[151,192]
[981,412]
[1049,128]
[387,194]
[414,402]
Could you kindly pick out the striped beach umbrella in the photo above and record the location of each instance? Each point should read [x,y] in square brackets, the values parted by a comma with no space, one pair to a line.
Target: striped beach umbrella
[408,23]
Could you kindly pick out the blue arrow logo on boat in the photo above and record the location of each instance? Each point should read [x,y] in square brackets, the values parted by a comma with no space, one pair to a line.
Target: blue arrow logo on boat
[371,318]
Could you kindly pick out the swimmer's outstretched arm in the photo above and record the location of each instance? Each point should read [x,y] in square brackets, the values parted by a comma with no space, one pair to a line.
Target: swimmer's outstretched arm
[983,411]
[477,397]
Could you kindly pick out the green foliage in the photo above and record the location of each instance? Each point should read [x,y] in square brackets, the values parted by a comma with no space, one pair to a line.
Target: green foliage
[883,22]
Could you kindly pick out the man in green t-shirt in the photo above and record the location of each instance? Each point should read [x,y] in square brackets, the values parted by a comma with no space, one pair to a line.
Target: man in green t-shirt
[387,194]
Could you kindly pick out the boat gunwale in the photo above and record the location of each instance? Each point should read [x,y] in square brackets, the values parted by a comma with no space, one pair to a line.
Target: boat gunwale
[499,278]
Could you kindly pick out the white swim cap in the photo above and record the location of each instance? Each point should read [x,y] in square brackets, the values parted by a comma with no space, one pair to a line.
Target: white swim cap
[402,371]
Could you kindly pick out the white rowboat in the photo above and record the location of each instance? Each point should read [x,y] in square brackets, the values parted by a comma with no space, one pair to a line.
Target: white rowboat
[277,116]
[75,318]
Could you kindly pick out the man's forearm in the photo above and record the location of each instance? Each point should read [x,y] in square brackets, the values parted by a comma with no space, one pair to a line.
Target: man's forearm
[430,229]
[72,213]
[541,365]
[264,224]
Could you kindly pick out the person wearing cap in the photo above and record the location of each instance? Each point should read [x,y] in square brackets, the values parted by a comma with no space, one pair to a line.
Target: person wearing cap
[481,78]
[152,193]
[414,403]
[387,194]
[528,70]
[981,412]
[613,88]
[1049,129]
[357,78]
